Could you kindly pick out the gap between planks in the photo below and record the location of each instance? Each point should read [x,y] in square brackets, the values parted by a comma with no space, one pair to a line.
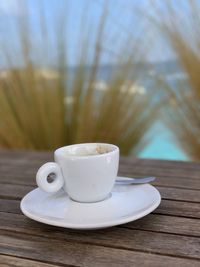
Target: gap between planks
[7,197]
[15,261]
[38,157]
[16,192]
[23,240]
[167,207]
[178,184]
[152,223]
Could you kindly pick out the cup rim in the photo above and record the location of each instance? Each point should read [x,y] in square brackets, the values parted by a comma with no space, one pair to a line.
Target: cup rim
[59,150]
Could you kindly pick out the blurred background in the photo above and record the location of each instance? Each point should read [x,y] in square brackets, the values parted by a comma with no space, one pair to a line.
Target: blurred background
[122,72]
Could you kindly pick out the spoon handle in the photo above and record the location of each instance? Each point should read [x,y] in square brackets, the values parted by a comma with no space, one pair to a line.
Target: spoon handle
[123,180]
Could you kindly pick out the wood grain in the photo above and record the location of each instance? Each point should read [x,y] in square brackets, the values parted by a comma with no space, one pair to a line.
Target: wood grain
[11,191]
[8,261]
[130,239]
[10,206]
[10,155]
[130,160]
[161,171]
[17,191]
[167,207]
[152,222]
[170,236]
[179,194]
[26,176]
[75,254]
[179,208]
[167,181]
[167,224]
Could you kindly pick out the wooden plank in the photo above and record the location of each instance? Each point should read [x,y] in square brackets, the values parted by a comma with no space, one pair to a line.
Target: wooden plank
[167,224]
[130,165]
[22,171]
[18,179]
[10,206]
[152,222]
[66,252]
[179,194]
[179,208]
[171,182]
[143,239]
[160,172]
[160,162]
[25,164]
[12,191]
[25,155]
[174,245]
[167,207]
[8,261]
[8,155]
[20,174]
[177,168]
[26,176]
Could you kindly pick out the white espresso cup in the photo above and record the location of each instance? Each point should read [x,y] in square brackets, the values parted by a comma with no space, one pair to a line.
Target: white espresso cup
[86,172]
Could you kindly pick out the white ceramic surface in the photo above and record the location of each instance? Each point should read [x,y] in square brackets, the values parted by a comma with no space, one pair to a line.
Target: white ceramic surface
[126,203]
[85,178]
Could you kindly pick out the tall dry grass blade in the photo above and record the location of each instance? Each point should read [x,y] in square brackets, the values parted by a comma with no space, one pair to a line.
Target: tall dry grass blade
[46,102]
[183,114]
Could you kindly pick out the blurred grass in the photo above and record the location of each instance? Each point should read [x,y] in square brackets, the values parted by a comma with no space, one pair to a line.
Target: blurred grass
[180,24]
[45,105]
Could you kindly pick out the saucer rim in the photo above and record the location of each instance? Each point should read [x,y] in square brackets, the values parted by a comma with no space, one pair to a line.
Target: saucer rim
[88,226]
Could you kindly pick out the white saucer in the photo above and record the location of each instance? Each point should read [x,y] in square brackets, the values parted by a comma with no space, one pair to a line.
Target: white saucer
[126,203]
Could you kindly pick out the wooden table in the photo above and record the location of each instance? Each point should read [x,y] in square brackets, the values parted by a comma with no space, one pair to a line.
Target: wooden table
[170,236]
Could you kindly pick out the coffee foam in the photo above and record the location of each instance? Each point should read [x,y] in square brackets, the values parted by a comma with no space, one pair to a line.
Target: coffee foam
[90,150]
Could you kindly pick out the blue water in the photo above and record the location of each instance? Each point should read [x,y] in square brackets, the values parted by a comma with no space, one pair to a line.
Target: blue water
[162,145]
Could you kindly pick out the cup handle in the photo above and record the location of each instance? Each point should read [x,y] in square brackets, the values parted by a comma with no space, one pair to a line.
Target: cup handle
[42,174]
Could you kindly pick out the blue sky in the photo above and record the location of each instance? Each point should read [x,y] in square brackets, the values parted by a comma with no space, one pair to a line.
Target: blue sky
[123,16]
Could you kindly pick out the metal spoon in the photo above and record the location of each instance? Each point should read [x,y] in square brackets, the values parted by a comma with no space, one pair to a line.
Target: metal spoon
[124,181]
